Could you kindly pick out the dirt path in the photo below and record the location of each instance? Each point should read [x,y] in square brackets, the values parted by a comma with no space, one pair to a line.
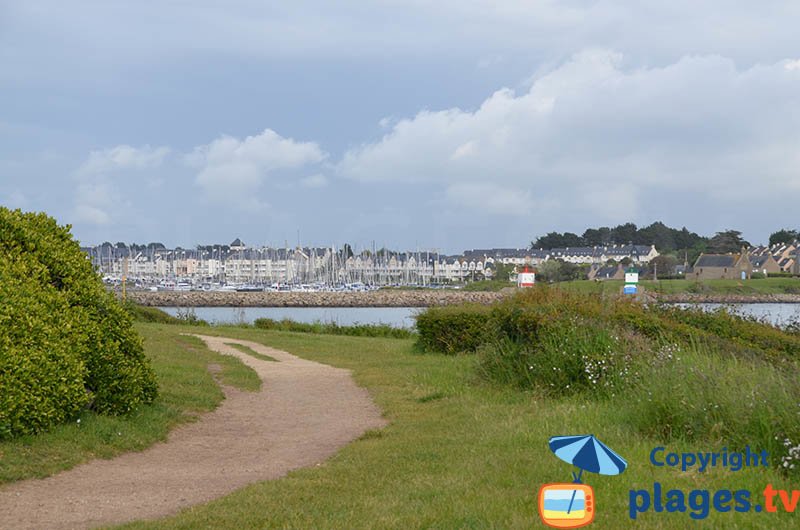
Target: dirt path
[303,414]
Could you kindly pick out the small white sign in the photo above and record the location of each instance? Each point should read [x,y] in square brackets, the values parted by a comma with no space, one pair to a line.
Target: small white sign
[631,277]
[526,279]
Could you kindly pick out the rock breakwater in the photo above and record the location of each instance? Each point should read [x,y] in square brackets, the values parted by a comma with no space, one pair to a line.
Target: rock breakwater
[380,298]
[695,298]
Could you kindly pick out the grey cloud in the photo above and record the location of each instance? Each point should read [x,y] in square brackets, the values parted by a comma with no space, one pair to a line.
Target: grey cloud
[595,128]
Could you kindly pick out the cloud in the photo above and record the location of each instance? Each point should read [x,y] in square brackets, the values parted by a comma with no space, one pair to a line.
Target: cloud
[15,199]
[608,140]
[123,157]
[95,201]
[98,199]
[481,29]
[317,180]
[91,215]
[234,170]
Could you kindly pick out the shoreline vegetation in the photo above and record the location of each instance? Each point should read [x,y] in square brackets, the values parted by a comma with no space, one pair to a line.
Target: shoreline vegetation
[467,432]
[767,290]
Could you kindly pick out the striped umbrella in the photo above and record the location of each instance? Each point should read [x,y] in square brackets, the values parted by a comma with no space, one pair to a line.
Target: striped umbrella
[587,453]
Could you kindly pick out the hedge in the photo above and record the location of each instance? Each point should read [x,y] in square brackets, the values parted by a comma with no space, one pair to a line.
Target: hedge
[65,342]
[453,329]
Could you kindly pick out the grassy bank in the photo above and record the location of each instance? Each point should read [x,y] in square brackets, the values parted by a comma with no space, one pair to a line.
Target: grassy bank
[461,450]
[186,389]
[763,286]
[458,453]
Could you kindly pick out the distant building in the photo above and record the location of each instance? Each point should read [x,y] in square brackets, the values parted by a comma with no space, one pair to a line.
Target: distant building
[606,272]
[722,266]
[636,253]
[765,264]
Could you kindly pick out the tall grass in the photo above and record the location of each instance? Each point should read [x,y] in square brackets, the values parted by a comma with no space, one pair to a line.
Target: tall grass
[332,328]
[670,373]
[695,393]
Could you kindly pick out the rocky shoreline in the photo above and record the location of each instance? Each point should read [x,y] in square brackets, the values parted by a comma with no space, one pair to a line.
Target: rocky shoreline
[398,298]
[693,298]
[381,298]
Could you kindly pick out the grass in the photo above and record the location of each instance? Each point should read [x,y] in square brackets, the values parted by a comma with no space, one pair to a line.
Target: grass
[457,454]
[332,328]
[250,351]
[186,390]
[733,287]
[488,285]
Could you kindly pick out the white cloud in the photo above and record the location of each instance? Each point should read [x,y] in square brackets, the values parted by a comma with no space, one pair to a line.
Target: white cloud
[95,200]
[233,170]
[91,215]
[610,140]
[15,199]
[98,199]
[491,199]
[318,180]
[123,157]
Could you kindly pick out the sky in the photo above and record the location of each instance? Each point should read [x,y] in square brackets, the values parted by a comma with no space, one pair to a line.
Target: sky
[442,125]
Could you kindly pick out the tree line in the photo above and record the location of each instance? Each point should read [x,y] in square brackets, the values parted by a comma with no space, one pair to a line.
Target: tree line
[667,240]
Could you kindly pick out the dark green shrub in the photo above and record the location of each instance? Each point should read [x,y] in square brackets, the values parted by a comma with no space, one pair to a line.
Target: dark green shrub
[332,328]
[41,373]
[73,323]
[454,329]
[149,314]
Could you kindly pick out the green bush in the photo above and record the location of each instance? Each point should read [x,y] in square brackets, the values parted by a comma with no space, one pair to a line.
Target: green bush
[670,373]
[453,329]
[149,314]
[65,343]
[332,328]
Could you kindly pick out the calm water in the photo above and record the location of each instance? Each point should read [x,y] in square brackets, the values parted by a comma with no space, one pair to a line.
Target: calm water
[779,314]
[403,317]
[400,317]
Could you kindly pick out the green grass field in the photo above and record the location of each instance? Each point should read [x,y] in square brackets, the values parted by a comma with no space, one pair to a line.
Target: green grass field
[458,453]
[733,287]
[747,287]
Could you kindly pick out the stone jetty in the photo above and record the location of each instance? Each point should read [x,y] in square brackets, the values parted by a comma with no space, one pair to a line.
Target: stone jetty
[711,298]
[379,298]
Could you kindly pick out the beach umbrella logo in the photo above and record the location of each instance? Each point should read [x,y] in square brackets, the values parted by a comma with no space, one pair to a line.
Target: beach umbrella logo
[572,504]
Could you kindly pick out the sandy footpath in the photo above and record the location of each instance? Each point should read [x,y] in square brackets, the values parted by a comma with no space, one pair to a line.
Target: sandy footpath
[304,412]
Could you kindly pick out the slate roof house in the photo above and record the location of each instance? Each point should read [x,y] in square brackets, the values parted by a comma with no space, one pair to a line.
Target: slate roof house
[765,264]
[717,266]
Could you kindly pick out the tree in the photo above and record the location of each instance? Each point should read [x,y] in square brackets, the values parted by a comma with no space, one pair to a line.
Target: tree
[550,270]
[556,240]
[658,234]
[783,236]
[727,242]
[570,271]
[663,265]
[502,272]
[623,234]
[597,236]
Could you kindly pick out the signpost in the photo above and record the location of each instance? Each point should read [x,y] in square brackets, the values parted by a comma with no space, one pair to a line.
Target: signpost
[631,281]
[526,278]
